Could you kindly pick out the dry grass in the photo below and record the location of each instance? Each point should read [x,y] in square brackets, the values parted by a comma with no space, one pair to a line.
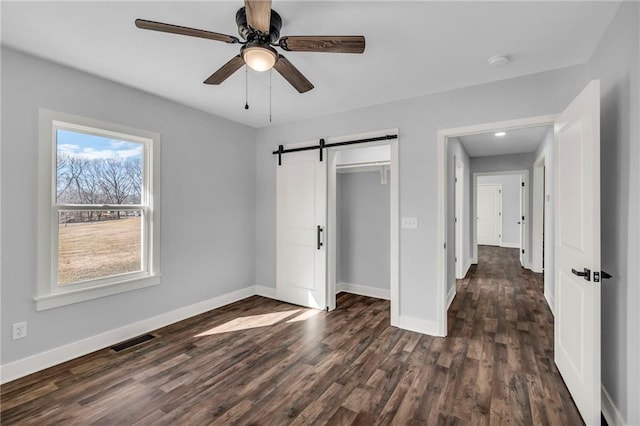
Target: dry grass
[98,249]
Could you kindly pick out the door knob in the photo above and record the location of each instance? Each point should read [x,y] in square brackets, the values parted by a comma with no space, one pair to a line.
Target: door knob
[586,273]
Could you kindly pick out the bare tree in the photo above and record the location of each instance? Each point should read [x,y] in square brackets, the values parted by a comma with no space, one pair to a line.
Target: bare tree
[133,167]
[97,181]
[114,181]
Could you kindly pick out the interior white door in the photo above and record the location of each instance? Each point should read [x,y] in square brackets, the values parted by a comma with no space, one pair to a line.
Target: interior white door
[522,221]
[489,210]
[577,240]
[301,210]
[458,229]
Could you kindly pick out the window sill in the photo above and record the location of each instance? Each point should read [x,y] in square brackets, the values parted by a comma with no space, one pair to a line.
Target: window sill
[55,300]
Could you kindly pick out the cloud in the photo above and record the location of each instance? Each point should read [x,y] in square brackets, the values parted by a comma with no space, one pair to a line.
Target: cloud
[67,148]
[90,153]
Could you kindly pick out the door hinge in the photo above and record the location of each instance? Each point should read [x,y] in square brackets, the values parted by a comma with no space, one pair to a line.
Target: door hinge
[455,219]
[522,184]
[522,251]
[445,246]
[522,217]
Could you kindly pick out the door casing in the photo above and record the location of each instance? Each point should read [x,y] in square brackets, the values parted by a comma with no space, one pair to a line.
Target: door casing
[441,242]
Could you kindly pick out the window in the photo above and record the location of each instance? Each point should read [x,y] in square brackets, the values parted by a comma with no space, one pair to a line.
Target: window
[98,225]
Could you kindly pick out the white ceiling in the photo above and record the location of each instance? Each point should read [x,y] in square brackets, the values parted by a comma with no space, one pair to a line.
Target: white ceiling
[515,141]
[413,48]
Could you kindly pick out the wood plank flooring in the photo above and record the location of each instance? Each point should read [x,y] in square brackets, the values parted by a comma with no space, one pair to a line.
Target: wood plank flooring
[260,361]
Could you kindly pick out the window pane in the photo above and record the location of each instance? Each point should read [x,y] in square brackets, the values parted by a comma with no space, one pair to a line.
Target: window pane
[98,244]
[97,170]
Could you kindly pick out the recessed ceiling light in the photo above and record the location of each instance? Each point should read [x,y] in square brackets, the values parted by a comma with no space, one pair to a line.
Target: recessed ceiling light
[499,134]
[498,61]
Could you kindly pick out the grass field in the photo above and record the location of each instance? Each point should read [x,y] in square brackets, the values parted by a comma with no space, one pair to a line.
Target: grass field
[98,249]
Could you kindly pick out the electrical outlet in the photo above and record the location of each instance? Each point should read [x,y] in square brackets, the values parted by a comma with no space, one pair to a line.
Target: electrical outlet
[19,330]
[409,223]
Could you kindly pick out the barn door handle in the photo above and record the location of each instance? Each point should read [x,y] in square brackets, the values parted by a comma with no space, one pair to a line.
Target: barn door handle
[586,273]
[319,237]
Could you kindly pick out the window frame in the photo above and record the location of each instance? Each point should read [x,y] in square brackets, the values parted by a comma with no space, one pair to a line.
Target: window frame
[49,293]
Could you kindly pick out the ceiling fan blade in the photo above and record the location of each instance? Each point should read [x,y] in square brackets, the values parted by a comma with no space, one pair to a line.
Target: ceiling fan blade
[331,44]
[225,71]
[176,29]
[258,14]
[292,75]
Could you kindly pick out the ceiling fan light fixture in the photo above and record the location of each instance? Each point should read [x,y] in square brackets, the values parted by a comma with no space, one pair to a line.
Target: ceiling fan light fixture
[259,57]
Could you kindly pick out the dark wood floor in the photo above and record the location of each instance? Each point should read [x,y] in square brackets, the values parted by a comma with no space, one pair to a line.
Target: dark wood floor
[297,366]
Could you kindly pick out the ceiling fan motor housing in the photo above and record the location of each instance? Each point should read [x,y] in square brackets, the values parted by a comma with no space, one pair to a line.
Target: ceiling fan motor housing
[249,34]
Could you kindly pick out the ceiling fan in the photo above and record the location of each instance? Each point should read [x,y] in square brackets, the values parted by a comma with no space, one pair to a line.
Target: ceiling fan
[259,26]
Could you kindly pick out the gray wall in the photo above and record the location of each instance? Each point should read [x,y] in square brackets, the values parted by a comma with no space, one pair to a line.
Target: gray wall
[363,230]
[418,120]
[455,151]
[510,205]
[507,163]
[208,202]
[615,63]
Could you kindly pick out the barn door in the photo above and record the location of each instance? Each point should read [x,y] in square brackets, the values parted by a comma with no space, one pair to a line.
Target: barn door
[577,253]
[300,231]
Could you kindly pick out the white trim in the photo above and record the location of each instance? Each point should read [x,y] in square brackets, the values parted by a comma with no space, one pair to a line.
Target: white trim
[467,266]
[363,290]
[550,301]
[268,292]
[509,245]
[473,261]
[441,148]
[48,293]
[451,295]
[419,325]
[43,360]
[609,410]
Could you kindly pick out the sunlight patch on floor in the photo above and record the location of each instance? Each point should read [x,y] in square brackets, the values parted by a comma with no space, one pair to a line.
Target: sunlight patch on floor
[251,321]
[305,315]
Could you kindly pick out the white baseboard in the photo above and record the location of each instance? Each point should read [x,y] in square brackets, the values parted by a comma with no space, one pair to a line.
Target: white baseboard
[610,412]
[43,360]
[473,261]
[419,325]
[467,266]
[550,301]
[451,296]
[510,245]
[268,292]
[363,290]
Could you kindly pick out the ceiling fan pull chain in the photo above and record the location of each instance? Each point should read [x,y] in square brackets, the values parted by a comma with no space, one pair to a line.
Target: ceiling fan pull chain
[270,95]
[246,87]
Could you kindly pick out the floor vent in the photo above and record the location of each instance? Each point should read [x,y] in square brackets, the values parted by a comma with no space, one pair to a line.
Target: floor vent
[133,342]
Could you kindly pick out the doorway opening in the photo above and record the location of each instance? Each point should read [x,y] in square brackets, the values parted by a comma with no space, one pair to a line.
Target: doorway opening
[363,220]
[451,149]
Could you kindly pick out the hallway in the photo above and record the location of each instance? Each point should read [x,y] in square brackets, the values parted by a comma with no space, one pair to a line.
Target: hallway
[501,314]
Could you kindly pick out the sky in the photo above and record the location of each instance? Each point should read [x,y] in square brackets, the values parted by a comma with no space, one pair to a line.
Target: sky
[93,147]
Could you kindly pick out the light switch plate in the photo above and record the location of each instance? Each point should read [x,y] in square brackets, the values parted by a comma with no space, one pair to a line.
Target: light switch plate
[409,223]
